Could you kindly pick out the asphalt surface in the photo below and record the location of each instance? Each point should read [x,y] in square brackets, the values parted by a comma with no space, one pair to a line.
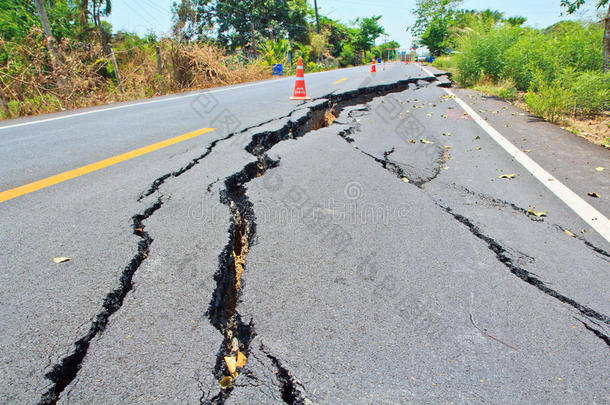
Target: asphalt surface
[385,260]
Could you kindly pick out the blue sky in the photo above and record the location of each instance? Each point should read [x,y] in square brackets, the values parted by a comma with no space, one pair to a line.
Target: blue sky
[142,16]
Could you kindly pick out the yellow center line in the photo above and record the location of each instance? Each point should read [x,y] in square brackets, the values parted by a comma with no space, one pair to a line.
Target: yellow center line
[340,80]
[70,174]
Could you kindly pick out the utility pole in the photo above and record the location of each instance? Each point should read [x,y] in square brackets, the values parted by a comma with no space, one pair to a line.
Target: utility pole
[315,3]
[159,61]
[117,74]
[56,56]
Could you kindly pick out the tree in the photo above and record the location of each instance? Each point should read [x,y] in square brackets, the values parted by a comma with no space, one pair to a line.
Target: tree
[574,5]
[369,30]
[101,8]
[516,21]
[186,25]
[235,21]
[432,22]
[338,35]
[387,50]
[57,58]
[427,11]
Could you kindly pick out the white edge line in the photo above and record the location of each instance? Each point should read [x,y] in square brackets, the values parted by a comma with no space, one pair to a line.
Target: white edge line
[583,209]
[136,104]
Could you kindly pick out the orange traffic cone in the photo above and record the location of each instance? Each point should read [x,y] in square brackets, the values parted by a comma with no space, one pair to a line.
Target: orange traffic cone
[373,67]
[299,86]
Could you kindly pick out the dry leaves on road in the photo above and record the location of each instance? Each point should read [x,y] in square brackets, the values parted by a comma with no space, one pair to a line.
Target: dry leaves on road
[61,259]
[507,176]
[538,214]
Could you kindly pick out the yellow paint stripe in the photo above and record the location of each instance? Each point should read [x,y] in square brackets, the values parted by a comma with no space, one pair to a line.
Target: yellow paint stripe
[70,174]
[340,80]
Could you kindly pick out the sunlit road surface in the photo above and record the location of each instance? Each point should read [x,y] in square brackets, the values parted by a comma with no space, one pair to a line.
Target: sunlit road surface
[390,241]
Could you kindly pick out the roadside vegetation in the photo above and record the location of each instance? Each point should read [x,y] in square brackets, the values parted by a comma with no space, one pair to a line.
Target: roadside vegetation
[81,61]
[556,73]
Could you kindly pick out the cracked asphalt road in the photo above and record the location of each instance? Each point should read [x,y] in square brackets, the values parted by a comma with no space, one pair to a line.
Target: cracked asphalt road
[374,259]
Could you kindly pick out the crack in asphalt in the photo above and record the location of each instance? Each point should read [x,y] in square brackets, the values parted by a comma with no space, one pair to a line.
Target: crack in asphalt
[500,252]
[501,255]
[596,332]
[288,384]
[498,202]
[222,310]
[64,372]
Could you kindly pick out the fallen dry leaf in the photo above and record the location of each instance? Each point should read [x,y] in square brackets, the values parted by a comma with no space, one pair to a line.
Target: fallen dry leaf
[479,148]
[447,147]
[477,137]
[569,233]
[61,259]
[231,363]
[507,176]
[226,382]
[423,140]
[538,214]
[599,169]
[412,140]
[241,359]
[594,195]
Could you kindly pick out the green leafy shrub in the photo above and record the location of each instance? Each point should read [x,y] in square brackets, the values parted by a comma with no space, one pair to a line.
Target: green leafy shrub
[347,55]
[509,93]
[482,53]
[549,99]
[569,45]
[592,92]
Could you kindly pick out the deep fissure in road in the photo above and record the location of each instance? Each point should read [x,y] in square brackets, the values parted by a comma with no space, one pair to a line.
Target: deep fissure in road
[323,114]
[222,310]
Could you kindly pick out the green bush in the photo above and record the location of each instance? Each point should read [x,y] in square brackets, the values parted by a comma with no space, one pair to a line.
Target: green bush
[549,100]
[482,53]
[532,52]
[592,92]
[508,93]
[567,46]
[347,55]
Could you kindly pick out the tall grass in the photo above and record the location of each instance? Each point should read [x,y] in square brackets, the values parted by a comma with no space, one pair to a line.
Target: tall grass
[560,67]
[30,84]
